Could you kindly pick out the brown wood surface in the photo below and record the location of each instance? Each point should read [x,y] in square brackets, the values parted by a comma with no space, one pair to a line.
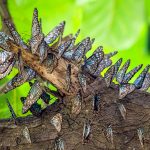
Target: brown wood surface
[43,134]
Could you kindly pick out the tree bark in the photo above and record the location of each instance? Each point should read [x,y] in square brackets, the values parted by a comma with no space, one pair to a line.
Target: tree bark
[43,134]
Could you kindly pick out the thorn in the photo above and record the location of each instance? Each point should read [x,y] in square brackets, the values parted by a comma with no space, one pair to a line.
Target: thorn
[5,56]
[16,36]
[4,66]
[26,134]
[88,45]
[82,81]
[86,131]
[69,51]
[125,89]
[109,134]
[34,94]
[55,33]
[37,35]
[18,80]
[146,83]
[9,69]
[43,51]
[108,76]
[131,73]
[77,34]
[36,25]
[3,42]
[81,50]
[106,62]
[76,103]
[56,121]
[44,96]
[92,41]
[63,47]
[111,54]
[35,42]
[96,102]
[140,79]
[91,64]
[98,54]
[122,110]
[117,66]
[140,132]
[59,144]
[120,75]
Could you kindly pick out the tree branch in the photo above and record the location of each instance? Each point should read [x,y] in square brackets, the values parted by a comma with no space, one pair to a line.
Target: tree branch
[58,75]
[43,134]
[4,13]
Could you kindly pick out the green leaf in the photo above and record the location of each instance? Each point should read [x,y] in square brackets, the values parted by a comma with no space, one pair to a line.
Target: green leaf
[114,23]
[147,10]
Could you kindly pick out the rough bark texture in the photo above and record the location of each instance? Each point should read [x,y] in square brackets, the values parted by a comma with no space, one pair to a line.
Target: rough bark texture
[43,134]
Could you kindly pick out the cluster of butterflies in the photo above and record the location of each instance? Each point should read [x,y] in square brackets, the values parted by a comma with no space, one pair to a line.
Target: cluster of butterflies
[65,47]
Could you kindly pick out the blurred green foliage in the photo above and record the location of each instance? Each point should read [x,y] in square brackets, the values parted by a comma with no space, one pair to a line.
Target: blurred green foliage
[122,25]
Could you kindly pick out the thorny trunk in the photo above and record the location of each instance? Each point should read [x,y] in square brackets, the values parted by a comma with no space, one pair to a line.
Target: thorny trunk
[109,129]
[125,136]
